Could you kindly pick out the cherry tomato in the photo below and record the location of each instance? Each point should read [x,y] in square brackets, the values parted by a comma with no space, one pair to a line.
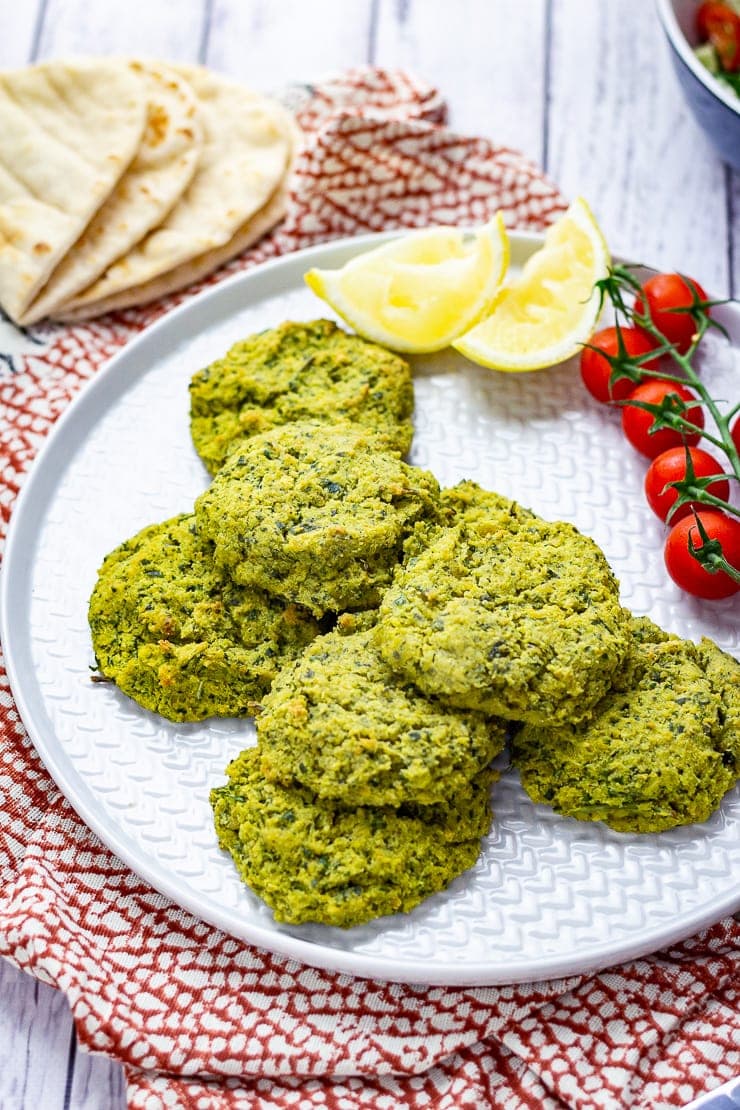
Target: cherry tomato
[636,423]
[596,371]
[735,433]
[666,292]
[719,24]
[671,467]
[686,571]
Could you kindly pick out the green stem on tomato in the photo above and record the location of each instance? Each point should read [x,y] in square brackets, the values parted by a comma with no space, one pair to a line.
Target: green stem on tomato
[709,553]
[706,498]
[692,488]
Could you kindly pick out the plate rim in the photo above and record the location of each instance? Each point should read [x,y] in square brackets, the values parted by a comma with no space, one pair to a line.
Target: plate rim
[16,569]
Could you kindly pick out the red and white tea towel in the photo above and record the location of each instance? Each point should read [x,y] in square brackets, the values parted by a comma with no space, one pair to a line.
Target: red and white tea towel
[197,1018]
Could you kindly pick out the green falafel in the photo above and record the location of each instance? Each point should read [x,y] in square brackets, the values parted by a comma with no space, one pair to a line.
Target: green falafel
[311,860]
[314,514]
[178,636]
[659,754]
[299,371]
[523,622]
[340,723]
[468,503]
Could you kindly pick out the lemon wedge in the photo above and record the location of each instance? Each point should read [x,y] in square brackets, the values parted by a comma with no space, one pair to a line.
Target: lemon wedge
[546,313]
[418,292]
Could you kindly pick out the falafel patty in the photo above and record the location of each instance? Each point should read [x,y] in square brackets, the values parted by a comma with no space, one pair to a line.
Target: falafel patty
[299,371]
[315,514]
[659,754]
[178,636]
[468,503]
[339,722]
[313,861]
[523,622]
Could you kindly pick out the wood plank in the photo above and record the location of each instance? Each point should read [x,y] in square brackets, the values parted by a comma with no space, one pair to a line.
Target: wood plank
[19,33]
[40,1065]
[270,45]
[35,1032]
[146,27]
[487,59]
[95,1083]
[621,135]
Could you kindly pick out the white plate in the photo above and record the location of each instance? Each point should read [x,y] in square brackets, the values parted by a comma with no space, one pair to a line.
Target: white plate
[548,896]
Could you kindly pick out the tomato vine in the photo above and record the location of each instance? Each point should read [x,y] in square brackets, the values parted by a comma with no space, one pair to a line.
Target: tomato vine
[624,292]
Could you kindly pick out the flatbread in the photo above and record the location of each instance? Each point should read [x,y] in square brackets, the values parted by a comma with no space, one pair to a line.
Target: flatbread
[68,131]
[188,272]
[248,144]
[185,274]
[156,179]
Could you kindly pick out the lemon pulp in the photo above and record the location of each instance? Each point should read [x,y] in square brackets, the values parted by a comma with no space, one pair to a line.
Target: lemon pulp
[418,292]
[543,316]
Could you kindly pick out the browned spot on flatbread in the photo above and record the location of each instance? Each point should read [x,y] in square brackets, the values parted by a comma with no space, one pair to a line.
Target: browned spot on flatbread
[41,248]
[157,124]
[10,236]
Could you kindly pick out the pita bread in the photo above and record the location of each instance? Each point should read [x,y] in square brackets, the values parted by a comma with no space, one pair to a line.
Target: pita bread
[156,179]
[248,142]
[189,272]
[68,130]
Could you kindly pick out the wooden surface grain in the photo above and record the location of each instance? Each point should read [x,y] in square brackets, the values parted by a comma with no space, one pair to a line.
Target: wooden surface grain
[585,89]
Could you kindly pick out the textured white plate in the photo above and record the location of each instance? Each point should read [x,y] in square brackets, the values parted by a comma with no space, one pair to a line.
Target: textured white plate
[548,896]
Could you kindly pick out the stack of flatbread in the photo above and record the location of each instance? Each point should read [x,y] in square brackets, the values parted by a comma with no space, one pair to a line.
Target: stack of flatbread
[121,181]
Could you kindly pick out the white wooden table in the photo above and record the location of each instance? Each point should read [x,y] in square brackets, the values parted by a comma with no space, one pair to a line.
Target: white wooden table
[584,87]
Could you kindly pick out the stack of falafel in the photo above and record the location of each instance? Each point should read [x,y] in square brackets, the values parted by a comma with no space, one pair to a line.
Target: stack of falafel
[389,636]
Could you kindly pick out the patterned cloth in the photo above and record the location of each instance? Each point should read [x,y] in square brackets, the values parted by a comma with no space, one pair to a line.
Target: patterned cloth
[197,1018]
